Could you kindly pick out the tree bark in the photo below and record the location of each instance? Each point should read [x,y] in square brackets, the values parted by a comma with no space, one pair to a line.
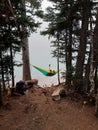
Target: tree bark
[1,102]
[96,57]
[25,58]
[25,49]
[2,71]
[12,67]
[82,46]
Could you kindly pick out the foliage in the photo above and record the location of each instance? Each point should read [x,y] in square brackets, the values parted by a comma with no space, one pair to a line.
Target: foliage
[14,15]
[65,20]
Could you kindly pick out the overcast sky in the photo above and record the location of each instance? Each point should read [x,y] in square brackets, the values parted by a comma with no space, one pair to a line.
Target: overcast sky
[40,55]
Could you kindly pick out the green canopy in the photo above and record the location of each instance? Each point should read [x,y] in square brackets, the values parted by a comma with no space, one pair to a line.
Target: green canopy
[48,72]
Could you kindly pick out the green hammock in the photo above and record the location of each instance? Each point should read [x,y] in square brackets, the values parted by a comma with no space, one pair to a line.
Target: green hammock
[46,72]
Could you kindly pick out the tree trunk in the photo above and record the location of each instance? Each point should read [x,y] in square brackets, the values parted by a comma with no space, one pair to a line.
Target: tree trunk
[58,49]
[25,58]
[69,56]
[87,72]
[25,49]
[95,79]
[82,46]
[12,67]
[91,75]
[58,66]
[95,40]
[87,68]
[96,107]
[2,71]
[1,102]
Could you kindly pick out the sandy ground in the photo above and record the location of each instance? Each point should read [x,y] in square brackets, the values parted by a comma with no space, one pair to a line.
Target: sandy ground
[37,111]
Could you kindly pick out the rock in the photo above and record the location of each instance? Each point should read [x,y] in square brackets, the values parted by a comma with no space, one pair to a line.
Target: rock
[58,94]
[62,93]
[32,82]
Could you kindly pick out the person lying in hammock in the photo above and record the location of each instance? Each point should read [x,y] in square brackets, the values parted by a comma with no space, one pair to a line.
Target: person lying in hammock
[52,71]
[46,72]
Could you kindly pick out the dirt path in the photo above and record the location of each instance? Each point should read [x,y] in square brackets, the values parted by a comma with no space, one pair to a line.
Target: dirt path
[37,111]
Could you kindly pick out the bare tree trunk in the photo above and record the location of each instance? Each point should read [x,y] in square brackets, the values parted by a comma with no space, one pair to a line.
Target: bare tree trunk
[96,57]
[1,102]
[25,49]
[2,71]
[25,58]
[96,107]
[87,71]
[91,75]
[58,68]
[82,46]
[58,60]
[12,67]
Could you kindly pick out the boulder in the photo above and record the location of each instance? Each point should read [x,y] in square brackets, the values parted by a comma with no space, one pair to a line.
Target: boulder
[32,82]
[58,94]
